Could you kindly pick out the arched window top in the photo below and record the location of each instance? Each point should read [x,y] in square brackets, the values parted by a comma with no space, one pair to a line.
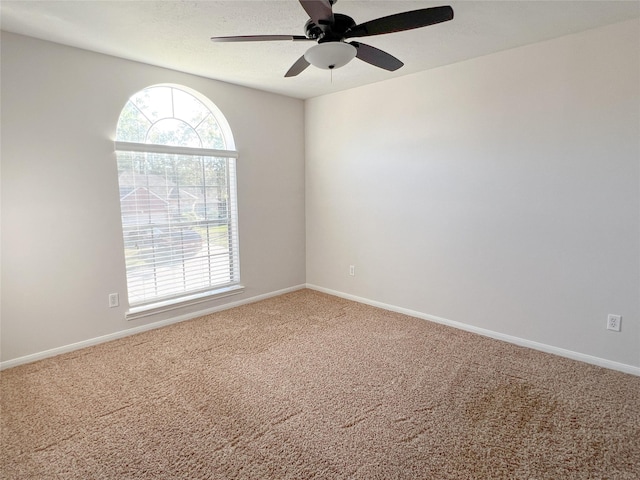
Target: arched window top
[174,116]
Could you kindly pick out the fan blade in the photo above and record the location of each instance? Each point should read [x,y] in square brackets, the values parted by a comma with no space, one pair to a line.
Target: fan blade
[319,11]
[259,38]
[297,67]
[401,21]
[376,57]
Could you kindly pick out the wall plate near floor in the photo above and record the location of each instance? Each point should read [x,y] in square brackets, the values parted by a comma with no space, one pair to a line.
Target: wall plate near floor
[114,301]
[613,322]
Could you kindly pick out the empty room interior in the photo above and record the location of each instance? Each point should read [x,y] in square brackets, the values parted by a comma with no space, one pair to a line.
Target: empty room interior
[423,263]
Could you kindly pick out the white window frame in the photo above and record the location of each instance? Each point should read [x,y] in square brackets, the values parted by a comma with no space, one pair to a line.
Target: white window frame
[163,304]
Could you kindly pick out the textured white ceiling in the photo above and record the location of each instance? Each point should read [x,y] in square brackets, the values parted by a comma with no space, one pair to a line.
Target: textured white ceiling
[175,34]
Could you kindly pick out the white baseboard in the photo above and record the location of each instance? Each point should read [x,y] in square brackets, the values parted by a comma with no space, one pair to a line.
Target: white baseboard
[622,367]
[601,362]
[142,328]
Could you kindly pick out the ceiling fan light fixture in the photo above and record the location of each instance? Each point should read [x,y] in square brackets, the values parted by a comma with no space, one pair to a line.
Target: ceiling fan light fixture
[330,55]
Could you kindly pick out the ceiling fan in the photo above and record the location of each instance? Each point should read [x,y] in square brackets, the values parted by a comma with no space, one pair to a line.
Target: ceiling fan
[330,30]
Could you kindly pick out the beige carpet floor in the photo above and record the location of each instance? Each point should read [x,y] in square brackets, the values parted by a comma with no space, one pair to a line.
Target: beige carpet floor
[309,386]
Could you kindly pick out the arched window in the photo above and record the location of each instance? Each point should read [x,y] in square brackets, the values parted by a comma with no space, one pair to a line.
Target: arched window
[177,177]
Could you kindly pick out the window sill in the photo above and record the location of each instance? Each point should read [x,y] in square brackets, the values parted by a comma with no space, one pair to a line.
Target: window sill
[135,313]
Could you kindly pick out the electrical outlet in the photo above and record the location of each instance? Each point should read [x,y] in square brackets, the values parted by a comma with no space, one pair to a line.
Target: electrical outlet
[352,270]
[613,322]
[114,301]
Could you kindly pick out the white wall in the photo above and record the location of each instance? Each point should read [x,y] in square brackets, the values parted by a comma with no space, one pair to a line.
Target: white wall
[501,192]
[61,233]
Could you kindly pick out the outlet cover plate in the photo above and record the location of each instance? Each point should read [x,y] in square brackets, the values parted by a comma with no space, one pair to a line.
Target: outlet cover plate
[114,301]
[613,322]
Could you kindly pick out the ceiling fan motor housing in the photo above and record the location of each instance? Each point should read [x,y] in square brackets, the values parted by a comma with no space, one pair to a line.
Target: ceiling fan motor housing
[333,32]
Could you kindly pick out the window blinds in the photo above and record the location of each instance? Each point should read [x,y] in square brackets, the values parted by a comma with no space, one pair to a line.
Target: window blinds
[179,220]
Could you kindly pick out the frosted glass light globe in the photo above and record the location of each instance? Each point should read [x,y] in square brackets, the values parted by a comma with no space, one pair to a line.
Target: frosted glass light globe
[330,55]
